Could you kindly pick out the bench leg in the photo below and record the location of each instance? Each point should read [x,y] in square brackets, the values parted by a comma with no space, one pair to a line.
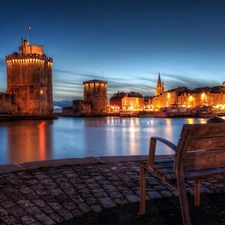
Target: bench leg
[197,193]
[183,200]
[142,206]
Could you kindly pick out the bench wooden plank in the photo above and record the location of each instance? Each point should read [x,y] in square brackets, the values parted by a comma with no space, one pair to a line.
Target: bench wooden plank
[204,130]
[197,160]
[206,143]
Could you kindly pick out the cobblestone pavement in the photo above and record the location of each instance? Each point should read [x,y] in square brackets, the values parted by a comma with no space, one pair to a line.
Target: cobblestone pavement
[52,193]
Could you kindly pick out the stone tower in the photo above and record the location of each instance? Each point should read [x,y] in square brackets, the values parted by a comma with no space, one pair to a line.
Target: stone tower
[95,93]
[29,80]
[160,86]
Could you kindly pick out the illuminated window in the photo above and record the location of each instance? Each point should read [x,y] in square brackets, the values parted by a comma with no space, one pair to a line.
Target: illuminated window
[41,92]
[203,96]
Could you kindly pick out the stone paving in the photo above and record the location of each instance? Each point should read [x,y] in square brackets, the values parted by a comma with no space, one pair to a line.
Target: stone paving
[57,191]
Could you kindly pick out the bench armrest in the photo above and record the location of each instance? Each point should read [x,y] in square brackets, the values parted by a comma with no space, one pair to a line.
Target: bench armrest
[152,147]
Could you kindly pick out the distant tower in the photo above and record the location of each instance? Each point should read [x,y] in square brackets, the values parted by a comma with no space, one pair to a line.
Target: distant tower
[159,87]
[95,93]
[29,79]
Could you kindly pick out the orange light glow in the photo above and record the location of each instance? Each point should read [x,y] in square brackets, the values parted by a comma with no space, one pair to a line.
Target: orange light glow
[41,92]
[42,140]
[203,95]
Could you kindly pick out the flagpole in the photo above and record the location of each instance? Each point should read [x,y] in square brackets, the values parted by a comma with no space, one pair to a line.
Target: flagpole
[29,28]
[28,35]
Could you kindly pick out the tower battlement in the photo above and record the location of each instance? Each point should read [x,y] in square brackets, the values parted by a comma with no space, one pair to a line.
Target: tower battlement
[25,48]
[25,58]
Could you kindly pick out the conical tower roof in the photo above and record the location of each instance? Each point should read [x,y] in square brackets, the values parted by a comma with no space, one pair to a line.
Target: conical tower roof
[159,81]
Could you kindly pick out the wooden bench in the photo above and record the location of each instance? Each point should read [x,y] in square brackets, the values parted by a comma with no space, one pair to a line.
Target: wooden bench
[200,153]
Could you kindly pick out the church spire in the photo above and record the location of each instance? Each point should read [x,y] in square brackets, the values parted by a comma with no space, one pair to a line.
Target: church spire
[160,86]
[159,80]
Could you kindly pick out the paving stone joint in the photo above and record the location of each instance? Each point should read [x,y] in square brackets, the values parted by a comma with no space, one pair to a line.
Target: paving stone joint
[56,193]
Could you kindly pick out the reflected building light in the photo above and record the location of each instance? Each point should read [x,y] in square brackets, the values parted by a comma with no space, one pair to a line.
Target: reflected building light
[132,122]
[190,120]
[42,141]
[137,121]
[123,121]
[132,129]
[168,121]
[132,140]
[151,122]
[202,121]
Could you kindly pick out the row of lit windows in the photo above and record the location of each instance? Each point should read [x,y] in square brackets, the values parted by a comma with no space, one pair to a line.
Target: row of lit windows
[26,60]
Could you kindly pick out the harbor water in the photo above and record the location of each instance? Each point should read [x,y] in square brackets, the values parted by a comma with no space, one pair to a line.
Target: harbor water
[70,137]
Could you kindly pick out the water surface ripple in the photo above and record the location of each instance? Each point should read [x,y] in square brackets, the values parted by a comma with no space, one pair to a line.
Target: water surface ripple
[68,137]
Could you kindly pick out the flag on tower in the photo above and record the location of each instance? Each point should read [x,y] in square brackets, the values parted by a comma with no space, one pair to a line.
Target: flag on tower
[29,27]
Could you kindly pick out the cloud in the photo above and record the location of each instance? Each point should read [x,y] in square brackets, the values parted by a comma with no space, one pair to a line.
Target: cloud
[173,81]
[69,83]
[81,75]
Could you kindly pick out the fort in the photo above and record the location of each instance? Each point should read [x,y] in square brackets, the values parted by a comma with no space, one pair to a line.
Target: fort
[95,92]
[95,100]
[29,83]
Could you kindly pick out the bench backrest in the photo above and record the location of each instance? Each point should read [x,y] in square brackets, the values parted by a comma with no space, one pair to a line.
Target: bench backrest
[201,146]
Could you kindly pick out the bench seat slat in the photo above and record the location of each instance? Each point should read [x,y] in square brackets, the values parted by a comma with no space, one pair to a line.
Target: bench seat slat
[170,177]
[164,164]
[167,173]
[201,174]
[165,170]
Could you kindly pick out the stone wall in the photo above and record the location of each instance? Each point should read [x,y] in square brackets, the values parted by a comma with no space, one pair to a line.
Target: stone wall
[6,104]
[81,107]
[67,111]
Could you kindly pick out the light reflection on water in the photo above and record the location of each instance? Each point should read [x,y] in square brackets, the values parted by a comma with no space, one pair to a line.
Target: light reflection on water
[25,141]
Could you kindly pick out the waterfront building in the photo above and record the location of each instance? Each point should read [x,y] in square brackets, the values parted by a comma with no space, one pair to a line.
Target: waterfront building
[131,101]
[190,99]
[205,96]
[167,98]
[29,82]
[116,101]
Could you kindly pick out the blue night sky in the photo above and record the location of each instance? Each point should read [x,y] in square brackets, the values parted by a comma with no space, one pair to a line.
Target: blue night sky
[125,42]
